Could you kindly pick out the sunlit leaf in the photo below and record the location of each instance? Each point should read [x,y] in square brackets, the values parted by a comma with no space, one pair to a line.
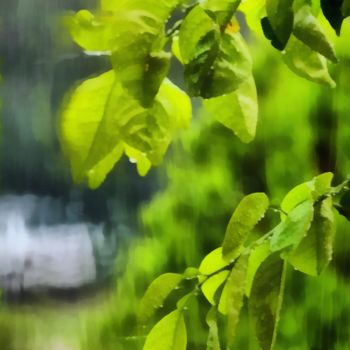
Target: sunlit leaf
[191,272]
[248,213]
[303,61]
[313,189]
[215,63]
[211,285]
[156,293]
[141,72]
[98,173]
[90,32]
[213,262]
[143,164]
[99,115]
[296,196]
[231,300]
[176,103]
[280,16]
[196,27]
[222,9]
[213,342]
[266,299]
[308,30]
[257,255]
[237,110]
[129,30]
[80,120]
[292,230]
[168,334]
[175,48]
[322,184]
[315,250]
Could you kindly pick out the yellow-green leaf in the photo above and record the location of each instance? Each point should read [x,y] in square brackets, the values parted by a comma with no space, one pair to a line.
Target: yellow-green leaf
[231,300]
[315,250]
[98,173]
[156,293]
[213,342]
[266,300]
[211,285]
[99,115]
[168,334]
[280,16]
[303,61]
[292,230]
[212,262]
[257,255]
[248,213]
[143,164]
[82,114]
[313,189]
[222,9]
[308,30]
[237,110]
[215,63]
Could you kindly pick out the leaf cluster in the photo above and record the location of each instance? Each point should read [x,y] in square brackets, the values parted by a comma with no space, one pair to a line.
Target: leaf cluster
[249,270]
[134,109]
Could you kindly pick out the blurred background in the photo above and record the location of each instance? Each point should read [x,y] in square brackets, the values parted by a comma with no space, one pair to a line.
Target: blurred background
[75,262]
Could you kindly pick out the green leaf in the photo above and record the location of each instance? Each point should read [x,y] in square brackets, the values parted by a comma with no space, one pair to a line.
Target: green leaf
[213,342]
[270,34]
[231,300]
[248,213]
[152,132]
[315,250]
[309,31]
[215,64]
[322,184]
[257,255]
[99,115]
[266,300]
[168,334]
[90,32]
[175,48]
[280,16]
[313,189]
[237,110]
[156,294]
[296,196]
[98,173]
[176,104]
[143,164]
[133,31]
[212,284]
[141,72]
[195,27]
[292,230]
[82,114]
[213,262]
[305,62]
[191,272]
[223,10]
[332,10]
